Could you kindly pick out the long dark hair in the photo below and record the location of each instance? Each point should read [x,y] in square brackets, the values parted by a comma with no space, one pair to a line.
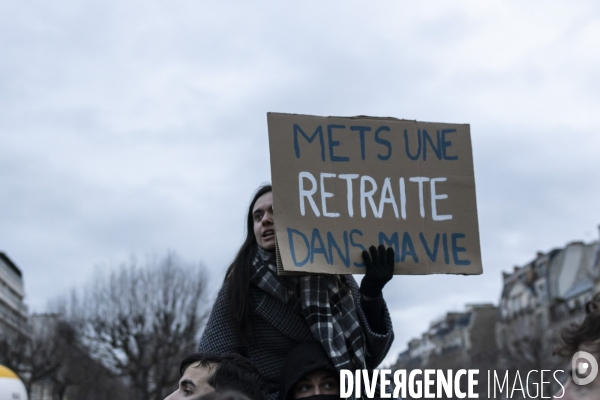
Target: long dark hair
[239,273]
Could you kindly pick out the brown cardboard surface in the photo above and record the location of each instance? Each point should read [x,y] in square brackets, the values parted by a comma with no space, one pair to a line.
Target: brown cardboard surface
[318,162]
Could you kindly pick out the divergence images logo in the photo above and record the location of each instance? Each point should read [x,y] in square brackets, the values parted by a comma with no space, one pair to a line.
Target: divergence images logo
[583,364]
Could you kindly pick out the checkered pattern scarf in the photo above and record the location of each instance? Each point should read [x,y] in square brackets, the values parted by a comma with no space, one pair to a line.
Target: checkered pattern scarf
[329,311]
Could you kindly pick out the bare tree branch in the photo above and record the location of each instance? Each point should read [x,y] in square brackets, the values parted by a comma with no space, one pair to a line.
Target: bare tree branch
[140,320]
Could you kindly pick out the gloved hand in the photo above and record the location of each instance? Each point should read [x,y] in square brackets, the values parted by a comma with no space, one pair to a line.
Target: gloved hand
[380,269]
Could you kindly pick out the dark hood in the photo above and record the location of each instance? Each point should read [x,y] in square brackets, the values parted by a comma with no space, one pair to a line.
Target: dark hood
[322,397]
[305,358]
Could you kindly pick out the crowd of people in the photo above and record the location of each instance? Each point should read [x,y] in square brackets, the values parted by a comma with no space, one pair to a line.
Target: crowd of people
[307,373]
[286,337]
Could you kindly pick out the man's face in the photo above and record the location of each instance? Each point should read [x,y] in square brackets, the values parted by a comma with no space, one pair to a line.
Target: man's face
[591,391]
[194,382]
[321,381]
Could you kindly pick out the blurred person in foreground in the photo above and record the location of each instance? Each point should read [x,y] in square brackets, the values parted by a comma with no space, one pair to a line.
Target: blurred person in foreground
[203,373]
[309,374]
[225,395]
[584,337]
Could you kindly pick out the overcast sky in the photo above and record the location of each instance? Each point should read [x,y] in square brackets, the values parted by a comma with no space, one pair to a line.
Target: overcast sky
[134,128]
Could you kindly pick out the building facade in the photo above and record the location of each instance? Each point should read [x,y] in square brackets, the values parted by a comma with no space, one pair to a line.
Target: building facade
[456,340]
[542,297]
[537,301]
[13,311]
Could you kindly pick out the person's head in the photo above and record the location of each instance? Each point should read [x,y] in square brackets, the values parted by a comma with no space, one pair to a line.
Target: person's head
[251,239]
[259,232]
[317,382]
[239,374]
[583,337]
[262,218]
[203,373]
[225,395]
[195,371]
[308,372]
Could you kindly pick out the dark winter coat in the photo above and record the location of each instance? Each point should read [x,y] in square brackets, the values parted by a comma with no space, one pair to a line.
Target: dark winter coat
[277,329]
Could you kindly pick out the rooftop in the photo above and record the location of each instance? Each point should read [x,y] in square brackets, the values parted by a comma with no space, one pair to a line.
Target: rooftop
[10,264]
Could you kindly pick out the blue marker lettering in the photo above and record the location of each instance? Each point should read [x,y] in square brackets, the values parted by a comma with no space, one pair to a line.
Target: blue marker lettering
[293,250]
[334,143]
[446,144]
[408,249]
[317,250]
[318,131]
[432,254]
[384,142]
[456,249]
[392,242]
[355,244]
[407,145]
[361,133]
[345,257]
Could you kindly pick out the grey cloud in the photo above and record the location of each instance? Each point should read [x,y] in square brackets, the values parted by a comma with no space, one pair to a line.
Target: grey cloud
[140,127]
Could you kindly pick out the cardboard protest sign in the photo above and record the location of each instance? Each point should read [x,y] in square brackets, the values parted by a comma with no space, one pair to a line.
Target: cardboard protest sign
[341,185]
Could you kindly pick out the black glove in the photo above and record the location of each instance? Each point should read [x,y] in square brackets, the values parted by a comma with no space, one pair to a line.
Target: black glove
[380,269]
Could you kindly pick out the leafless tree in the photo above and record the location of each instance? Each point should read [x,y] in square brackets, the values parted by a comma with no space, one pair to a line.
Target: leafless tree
[141,319]
[14,350]
[51,359]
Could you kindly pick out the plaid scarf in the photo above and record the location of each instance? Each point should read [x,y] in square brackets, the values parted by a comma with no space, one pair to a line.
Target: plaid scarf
[329,311]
